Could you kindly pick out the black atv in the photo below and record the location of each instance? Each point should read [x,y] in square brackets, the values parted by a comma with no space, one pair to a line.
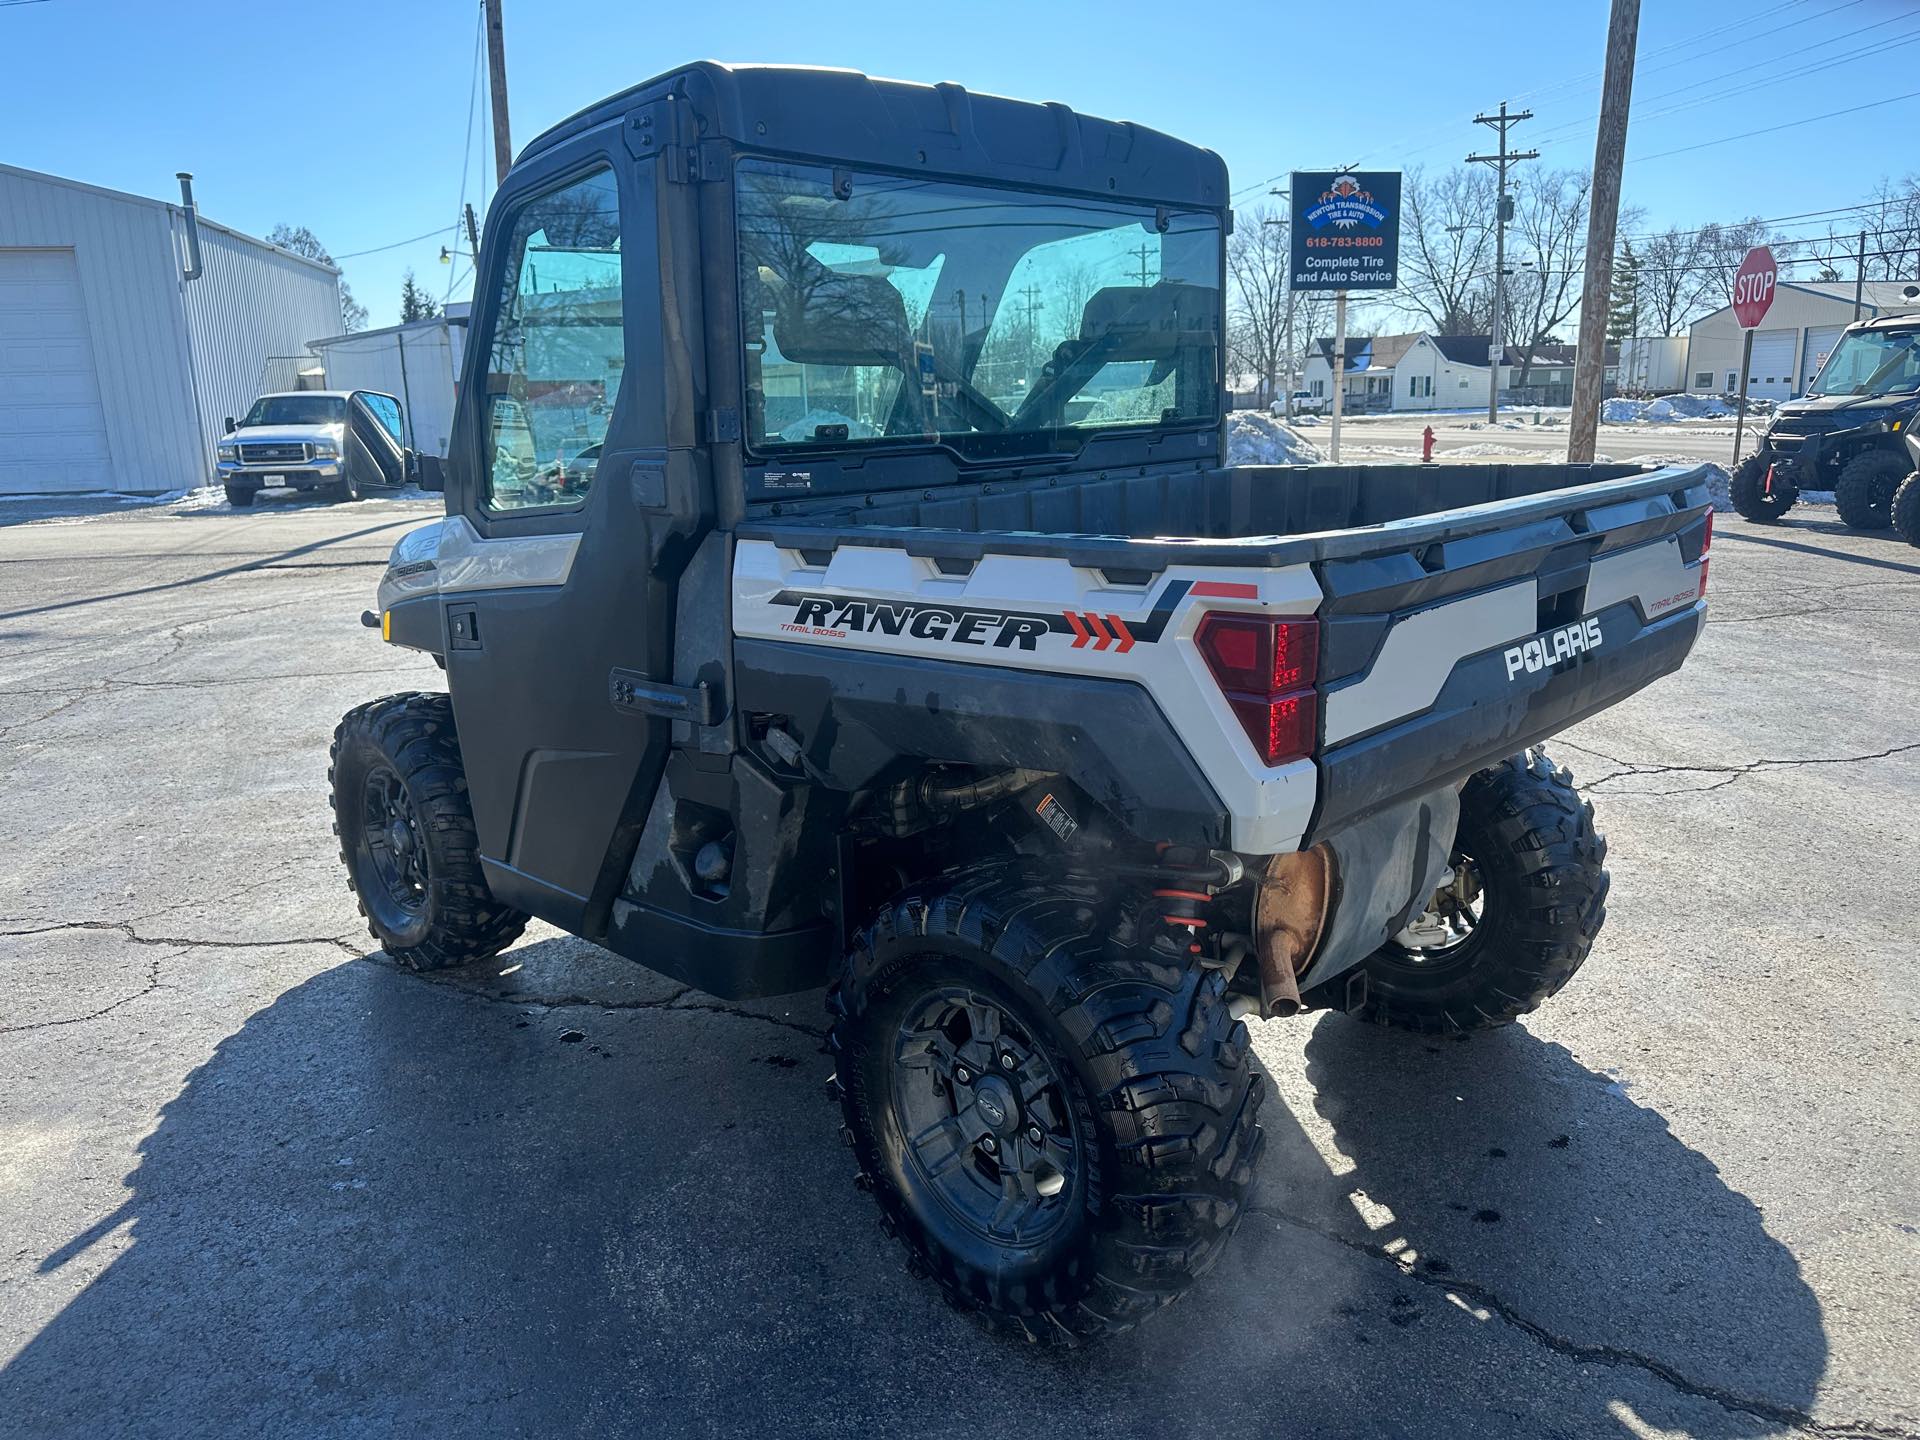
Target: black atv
[1846,434]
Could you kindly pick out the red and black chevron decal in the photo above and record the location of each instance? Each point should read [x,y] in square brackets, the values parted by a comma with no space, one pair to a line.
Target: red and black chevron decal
[836,616]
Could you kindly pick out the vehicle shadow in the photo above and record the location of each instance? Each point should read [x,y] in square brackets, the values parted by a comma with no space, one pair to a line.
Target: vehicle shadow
[1508,1180]
[478,1204]
[1822,527]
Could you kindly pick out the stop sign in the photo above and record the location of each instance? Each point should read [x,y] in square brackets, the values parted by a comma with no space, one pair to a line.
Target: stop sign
[1753,285]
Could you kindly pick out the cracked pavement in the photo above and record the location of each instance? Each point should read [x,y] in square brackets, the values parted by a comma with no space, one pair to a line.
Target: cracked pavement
[256,1179]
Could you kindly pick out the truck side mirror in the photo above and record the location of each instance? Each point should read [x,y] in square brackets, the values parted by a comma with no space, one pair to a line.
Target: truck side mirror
[231,427]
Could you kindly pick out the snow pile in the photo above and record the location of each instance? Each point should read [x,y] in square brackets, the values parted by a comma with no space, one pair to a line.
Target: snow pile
[1716,474]
[1669,408]
[1257,439]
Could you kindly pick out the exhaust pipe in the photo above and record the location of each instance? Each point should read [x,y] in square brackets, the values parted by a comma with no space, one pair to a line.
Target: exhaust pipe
[1289,913]
[194,268]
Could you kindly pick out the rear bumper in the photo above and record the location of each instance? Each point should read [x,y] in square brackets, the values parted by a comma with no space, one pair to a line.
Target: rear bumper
[1481,715]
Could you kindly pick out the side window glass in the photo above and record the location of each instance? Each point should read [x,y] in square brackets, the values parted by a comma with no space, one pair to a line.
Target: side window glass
[558,350]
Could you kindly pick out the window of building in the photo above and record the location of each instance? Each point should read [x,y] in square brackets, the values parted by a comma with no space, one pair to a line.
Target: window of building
[1703,380]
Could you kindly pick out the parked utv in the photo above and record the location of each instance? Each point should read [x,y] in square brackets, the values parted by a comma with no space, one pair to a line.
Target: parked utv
[1846,434]
[1906,500]
[908,636]
[344,443]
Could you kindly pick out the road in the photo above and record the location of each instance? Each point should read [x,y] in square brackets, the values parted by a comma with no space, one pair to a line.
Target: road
[256,1180]
[1388,437]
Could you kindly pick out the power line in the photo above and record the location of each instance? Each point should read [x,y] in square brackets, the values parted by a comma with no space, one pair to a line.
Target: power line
[1772,129]
[466,145]
[1748,79]
[411,240]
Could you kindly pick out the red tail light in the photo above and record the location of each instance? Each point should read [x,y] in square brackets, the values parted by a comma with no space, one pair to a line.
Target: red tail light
[1704,563]
[1265,669]
[1706,544]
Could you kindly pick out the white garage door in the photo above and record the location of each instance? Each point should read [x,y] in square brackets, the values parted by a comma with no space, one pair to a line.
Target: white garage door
[53,434]
[1820,342]
[1770,376]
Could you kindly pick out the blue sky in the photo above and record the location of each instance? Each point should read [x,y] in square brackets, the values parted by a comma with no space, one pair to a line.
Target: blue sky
[349,117]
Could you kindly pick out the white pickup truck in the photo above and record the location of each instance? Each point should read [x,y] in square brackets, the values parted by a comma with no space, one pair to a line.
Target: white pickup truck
[343,442]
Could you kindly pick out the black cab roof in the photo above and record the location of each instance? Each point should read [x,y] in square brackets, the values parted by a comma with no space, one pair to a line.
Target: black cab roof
[903,126]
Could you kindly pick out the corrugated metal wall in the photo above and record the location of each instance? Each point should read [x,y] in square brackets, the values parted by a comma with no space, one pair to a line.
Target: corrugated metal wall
[252,303]
[130,281]
[372,362]
[153,334]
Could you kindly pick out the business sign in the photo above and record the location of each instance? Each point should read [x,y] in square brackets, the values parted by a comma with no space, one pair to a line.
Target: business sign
[1346,230]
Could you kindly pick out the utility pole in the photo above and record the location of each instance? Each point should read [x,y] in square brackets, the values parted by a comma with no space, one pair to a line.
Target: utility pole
[1286,320]
[1146,253]
[1860,276]
[473,242]
[497,92]
[1339,368]
[1609,157]
[1502,213]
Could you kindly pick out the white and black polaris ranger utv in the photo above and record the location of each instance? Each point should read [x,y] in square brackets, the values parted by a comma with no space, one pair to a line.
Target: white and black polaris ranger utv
[905,634]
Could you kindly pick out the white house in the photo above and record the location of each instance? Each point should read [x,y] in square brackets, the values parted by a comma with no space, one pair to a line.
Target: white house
[1406,372]
[1801,328]
[128,328]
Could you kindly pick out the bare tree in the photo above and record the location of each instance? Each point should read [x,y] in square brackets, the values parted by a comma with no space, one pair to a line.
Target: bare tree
[1257,304]
[1718,251]
[302,241]
[1446,249]
[1890,221]
[1669,282]
[1550,226]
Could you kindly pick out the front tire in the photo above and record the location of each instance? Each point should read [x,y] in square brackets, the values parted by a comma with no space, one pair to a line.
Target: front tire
[407,836]
[1747,489]
[1059,1129]
[1906,509]
[240,496]
[1529,857]
[1864,492]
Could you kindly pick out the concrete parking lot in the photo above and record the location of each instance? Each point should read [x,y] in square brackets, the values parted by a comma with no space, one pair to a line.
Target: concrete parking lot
[256,1180]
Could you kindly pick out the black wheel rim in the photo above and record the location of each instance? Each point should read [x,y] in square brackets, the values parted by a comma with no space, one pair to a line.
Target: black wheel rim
[984,1121]
[395,848]
[1460,908]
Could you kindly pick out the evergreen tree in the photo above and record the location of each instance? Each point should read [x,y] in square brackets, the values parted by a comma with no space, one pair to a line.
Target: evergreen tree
[415,302]
[1623,312]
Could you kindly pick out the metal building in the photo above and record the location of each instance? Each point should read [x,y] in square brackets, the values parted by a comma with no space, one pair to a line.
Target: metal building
[129,328]
[1802,327]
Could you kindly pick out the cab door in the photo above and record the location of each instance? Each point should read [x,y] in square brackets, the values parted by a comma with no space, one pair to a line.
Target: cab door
[559,572]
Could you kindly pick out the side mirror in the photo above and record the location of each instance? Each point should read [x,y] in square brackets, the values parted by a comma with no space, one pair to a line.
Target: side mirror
[231,427]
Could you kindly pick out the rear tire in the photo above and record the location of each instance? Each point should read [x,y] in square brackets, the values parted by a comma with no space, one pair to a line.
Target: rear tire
[1540,865]
[407,836]
[1864,492]
[1129,1068]
[1747,489]
[1906,509]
